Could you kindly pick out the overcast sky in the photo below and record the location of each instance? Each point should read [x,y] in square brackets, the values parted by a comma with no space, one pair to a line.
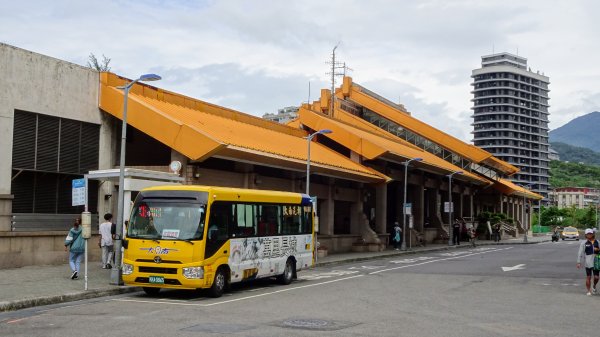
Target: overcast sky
[258,56]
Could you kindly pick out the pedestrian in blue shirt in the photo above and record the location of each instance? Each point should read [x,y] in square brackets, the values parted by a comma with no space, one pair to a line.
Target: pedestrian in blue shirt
[76,247]
[397,236]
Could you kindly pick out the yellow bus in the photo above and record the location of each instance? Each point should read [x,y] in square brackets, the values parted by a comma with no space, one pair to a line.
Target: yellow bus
[204,237]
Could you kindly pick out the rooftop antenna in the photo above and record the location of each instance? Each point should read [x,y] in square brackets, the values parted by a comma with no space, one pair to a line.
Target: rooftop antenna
[346,68]
[308,92]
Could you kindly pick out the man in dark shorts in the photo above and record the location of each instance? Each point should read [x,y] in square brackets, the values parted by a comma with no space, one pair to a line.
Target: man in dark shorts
[588,250]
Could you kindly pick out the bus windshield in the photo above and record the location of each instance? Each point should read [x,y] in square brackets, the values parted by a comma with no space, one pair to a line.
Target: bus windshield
[167,220]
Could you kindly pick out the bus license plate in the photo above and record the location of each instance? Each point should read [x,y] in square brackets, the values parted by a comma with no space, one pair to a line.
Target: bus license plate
[157,279]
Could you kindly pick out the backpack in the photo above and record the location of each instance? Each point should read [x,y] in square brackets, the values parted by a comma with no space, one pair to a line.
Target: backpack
[597,256]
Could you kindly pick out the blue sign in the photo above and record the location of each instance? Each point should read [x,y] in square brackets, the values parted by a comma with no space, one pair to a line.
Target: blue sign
[78,192]
[77,183]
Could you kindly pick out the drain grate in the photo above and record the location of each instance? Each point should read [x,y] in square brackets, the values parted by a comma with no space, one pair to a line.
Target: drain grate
[218,328]
[313,324]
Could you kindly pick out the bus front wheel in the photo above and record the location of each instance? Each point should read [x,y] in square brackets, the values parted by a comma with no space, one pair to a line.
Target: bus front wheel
[219,284]
[151,291]
[288,273]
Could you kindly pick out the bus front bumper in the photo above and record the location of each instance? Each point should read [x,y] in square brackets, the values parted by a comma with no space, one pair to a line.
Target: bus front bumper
[165,276]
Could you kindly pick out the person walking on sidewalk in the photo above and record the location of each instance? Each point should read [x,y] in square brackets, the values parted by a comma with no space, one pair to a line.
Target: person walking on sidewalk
[397,238]
[456,232]
[588,250]
[76,247]
[106,241]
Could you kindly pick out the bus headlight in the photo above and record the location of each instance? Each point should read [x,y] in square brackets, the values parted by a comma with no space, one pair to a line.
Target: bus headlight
[193,272]
[127,269]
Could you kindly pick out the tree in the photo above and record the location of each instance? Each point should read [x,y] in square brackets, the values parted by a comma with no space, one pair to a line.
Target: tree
[98,65]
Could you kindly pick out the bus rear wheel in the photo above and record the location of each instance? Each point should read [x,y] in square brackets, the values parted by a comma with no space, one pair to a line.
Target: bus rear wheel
[219,284]
[288,273]
[151,291]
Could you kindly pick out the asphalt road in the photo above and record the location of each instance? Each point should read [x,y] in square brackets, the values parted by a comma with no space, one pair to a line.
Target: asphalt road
[457,293]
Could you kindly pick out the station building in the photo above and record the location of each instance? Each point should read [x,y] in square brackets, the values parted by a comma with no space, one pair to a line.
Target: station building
[59,121]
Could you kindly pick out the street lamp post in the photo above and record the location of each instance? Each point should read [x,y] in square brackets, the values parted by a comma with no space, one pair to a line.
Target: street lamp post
[406,163]
[540,216]
[526,227]
[308,140]
[450,207]
[116,276]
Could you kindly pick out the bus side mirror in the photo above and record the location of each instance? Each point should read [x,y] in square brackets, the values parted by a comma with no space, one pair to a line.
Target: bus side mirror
[125,244]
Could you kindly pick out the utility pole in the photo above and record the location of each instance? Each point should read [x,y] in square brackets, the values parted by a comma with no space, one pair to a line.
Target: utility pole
[335,67]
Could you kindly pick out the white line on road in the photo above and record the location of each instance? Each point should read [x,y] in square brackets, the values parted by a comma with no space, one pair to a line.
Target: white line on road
[241,298]
[162,301]
[517,267]
[438,260]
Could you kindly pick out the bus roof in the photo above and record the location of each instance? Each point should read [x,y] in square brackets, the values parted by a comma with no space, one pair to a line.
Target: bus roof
[238,194]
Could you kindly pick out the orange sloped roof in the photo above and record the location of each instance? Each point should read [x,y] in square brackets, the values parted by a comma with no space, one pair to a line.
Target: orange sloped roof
[294,123]
[372,145]
[509,188]
[200,134]
[501,165]
[364,97]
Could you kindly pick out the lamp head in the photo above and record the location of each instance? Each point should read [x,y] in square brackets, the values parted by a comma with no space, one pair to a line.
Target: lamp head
[150,77]
[324,131]
[418,159]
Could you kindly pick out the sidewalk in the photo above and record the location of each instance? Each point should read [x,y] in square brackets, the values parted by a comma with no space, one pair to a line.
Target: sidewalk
[42,285]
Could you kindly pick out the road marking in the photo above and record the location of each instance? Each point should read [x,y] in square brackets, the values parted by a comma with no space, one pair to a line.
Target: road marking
[517,267]
[416,259]
[301,287]
[238,299]
[366,267]
[330,274]
[438,260]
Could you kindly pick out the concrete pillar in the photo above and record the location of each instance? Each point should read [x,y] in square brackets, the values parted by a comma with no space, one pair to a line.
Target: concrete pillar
[6,144]
[327,211]
[418,208]
[472,210]
[398,203]
[461,202]
[381,208]
[356,213]
[501,203]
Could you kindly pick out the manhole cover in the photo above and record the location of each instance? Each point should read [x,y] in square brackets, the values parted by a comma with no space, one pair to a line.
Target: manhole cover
[313,324]
[218,328]
[306,323]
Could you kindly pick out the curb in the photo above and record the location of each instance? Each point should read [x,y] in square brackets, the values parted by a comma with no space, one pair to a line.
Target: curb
[47,300]
[6,306]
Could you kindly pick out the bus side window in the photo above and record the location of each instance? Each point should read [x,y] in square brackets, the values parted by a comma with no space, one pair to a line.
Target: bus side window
[245,225]
[221,216]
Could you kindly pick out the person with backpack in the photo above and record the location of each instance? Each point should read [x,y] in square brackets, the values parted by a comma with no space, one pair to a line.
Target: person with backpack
[588,249]
[76,247]
[397,238]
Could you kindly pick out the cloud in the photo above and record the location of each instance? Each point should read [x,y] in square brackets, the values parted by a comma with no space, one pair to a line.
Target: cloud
[230,85]
[257,56]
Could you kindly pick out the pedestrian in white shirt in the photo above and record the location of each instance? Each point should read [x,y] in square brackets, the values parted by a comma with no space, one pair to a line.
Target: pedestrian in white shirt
[106,242]
[587,252]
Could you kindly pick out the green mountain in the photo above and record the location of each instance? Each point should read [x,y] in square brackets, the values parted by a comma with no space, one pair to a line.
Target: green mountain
[576,154]
[573,175]
[581,131]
